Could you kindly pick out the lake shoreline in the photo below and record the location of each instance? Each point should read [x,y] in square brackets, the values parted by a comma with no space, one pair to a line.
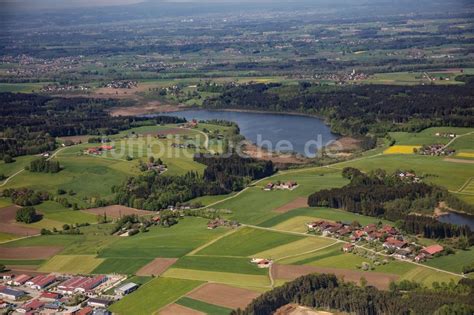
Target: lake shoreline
[305,134]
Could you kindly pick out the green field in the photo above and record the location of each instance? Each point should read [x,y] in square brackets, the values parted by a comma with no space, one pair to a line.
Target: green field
[428,136]
[235,279]
[453,263]
[92,177]
[254,205]
[434,169]
[154,295]
[75,264]
[246,242]
[120,265]
[219,264]
[294,248]
[204,307]
[176,241]
[427,276]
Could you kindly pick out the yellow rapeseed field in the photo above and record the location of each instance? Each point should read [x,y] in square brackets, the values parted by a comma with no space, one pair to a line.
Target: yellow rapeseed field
[466,154]
[401,149]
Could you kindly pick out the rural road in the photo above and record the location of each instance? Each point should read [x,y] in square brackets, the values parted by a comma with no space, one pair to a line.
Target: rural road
[456,138]
[20,171]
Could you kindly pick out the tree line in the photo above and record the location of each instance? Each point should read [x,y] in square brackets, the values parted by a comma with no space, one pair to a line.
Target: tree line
[223,175]
[29,123]
[359,109]
[325,291]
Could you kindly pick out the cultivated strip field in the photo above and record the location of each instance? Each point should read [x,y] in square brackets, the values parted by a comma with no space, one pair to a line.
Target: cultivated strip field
[224,295]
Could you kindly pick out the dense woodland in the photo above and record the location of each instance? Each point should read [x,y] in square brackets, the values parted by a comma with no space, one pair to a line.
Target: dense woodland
[327,292]
[29,123]
[152,191]
[379,194]
[358,110]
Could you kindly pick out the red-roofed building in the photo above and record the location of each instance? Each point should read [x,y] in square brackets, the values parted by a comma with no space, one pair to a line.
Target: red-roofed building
[393,243]
[41,282]
[33,305]
[433,249]
[347,248]
[389,230]
[357,235]
[50,296]
[20,279]
[84,311]
[81,284]
[107,147]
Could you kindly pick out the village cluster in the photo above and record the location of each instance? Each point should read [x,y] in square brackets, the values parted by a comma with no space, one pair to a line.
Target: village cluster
[126,84]
[409,177]
[213,224]
[435,150]
[290,185]
[98,150]
[58,293]
[54,88]
[392,241]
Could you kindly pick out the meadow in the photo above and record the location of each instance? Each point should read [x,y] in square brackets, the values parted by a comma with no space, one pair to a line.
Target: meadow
[146,300]
[433,169]
[246,242]
[255,205]
[163,242]
[73,264]
[219,264]
[233,279]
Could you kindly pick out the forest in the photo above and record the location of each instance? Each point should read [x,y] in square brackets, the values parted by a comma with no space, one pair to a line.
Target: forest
[325,291]
[29,123]
[361,109]
[383,195]
[152,191]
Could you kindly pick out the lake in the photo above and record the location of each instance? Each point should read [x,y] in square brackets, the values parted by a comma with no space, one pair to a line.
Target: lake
[275,132]
[458,219]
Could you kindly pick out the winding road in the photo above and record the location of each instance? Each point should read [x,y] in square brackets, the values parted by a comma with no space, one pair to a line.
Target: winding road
[20,171]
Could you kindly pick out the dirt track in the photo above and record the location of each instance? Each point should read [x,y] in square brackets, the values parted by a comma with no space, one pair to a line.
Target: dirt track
[176,309]
[224,295]
[117,211]
[300,202]
[156,267]
[33,252]
[459,161]
[377,279]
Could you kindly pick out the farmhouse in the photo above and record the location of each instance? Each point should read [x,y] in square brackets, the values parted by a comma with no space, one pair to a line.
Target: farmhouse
[432,250]
[262,262]
[126,288]
[269,187]
[393,243]
[290,185]
[403,253]
[347,248]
